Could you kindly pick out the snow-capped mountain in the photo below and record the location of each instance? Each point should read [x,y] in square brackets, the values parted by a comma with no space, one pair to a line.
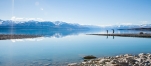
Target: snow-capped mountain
[41,24]
[127,27]
[62,25]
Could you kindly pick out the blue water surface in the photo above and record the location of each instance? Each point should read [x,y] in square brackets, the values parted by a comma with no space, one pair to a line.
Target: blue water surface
[67,49]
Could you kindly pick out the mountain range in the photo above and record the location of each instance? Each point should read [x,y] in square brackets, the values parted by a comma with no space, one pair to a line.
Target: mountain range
[43,25]
[128,27]
[64,25]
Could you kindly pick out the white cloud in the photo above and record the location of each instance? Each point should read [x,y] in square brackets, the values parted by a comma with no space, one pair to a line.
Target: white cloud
[25,19]
[30,18]
[17,18]
[124,23]
[13,18]
[37,19]
[104,25]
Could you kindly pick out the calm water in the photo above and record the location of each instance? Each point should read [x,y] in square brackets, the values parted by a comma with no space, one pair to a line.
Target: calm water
[61,49]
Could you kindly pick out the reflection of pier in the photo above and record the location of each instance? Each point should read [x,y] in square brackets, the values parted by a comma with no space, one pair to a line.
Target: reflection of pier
[14,36]
[126,35]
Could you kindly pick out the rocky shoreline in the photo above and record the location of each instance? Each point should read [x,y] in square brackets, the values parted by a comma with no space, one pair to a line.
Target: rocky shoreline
[16,36]
[141,59]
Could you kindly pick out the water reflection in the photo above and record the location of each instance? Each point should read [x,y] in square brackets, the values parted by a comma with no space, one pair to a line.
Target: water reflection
[45,32]
[57,33]
[28,39]
[60,47]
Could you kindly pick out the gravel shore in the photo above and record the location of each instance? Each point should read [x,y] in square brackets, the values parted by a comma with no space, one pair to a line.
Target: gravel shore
[15,36]
[141,59]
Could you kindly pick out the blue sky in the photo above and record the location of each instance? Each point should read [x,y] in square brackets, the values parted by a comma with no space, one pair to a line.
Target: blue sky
[96,12]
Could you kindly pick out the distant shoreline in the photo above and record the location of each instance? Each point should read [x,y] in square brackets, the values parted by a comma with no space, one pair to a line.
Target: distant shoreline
[145,29]
[15,36]
[126,35]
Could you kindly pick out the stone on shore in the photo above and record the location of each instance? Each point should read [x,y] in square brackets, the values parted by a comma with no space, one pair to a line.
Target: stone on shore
[141,59]
[89,57]
[73,64]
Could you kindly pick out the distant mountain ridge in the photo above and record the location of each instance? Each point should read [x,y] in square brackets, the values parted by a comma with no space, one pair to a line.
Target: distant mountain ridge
[64,25]
[43,25]
[129,27]
[55,29]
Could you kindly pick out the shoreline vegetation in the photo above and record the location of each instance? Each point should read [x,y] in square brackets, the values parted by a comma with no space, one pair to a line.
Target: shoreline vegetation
[16,36]
[141,59]
[141,35]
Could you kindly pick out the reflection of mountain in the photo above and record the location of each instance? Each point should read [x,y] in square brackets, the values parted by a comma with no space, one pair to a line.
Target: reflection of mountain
[46,32]
[44,28]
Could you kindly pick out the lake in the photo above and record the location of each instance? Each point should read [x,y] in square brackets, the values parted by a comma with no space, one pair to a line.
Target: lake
[58,48]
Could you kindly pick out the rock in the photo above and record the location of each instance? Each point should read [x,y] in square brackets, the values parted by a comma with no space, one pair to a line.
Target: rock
[117,56]
[110,64]
[83,62]
[90,61]
[127,55]
[139,60]
[103,61]
[123,64]
[135,65]
[121,55]
[101,65]
[141,64]
[89,57]
[73,64]
[146,64]
[141,54]
[149,56]
[121,60]
[114,62]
